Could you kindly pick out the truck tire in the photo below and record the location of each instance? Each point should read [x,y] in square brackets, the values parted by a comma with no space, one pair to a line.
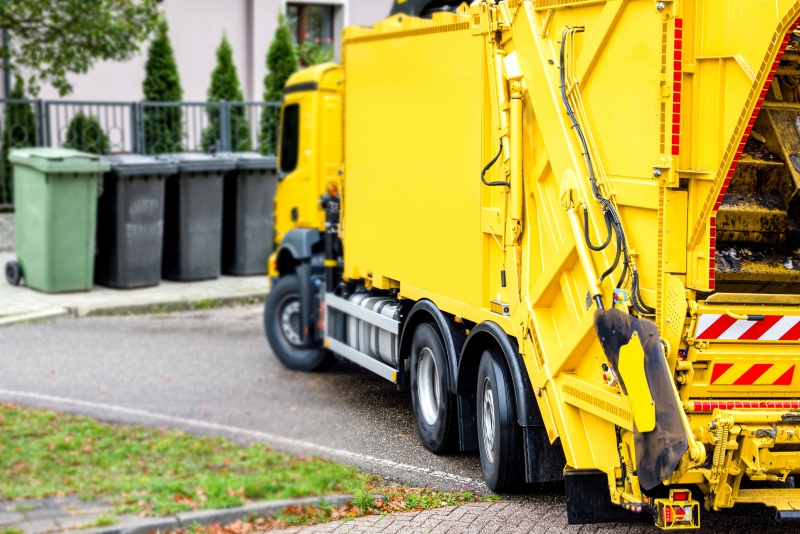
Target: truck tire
[434,406]
[499,436]
[282,325]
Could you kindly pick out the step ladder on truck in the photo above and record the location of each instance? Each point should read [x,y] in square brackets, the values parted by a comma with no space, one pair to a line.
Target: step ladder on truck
[571,229]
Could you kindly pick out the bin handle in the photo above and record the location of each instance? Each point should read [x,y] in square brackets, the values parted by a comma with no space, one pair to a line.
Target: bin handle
[90,157]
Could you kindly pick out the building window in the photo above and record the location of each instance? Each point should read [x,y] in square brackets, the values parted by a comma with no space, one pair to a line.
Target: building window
[310,21]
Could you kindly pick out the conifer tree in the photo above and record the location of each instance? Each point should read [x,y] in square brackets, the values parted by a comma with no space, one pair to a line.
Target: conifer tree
[19,130]
[225,87]
[281,64]
[84,133]
[163,126]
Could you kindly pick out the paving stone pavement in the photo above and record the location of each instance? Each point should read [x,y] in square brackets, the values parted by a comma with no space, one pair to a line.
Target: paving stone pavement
[17,302]
[529,516]
[504,516]
[54,514]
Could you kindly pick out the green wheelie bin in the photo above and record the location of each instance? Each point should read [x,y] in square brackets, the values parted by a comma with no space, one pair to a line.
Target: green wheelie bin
[55,200]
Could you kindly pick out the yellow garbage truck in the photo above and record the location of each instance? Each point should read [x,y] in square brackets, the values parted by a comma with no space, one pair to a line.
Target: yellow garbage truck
[571,230]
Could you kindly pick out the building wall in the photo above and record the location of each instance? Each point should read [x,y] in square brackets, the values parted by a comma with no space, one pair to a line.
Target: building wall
[368,12]
[196,28]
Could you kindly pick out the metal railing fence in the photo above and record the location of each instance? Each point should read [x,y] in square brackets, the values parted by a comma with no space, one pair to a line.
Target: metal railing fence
[134,128]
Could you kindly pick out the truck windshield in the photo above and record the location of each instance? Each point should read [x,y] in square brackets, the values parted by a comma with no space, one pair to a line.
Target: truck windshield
[290,138]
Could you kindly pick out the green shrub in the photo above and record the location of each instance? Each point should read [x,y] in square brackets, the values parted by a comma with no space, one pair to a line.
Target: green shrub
[225,87]
[281,64]
[314,52]
[85,134]
[19,130]
[163,126]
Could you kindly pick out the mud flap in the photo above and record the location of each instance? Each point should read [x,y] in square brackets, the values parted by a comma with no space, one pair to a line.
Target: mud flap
[659,451]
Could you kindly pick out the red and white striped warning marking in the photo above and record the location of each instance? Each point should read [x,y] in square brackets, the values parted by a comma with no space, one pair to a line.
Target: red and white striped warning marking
[752,374]
[725,328]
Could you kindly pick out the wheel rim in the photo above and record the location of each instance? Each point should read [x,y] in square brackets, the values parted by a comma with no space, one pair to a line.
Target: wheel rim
[290,320]
[428,387]
[488,420]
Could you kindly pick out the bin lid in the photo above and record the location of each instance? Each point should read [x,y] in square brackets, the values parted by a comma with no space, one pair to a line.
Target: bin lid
[58,160]
[138,165]
[199,162]
[252,160]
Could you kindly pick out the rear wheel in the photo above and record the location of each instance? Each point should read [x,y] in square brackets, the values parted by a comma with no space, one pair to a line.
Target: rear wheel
[283,325]
[13,273]
[499,436]
[434,406]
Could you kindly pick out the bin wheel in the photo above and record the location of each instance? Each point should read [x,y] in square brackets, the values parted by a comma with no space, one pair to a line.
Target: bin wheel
[13,273]
[499,436]
[282,324]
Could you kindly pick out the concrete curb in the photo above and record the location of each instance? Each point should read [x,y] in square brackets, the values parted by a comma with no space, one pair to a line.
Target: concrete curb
[168,306]
[35,316]
[223,517]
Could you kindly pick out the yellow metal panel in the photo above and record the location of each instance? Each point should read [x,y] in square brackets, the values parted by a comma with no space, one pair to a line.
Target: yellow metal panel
[598,399]
[675,231]
[412,162]
[631,368]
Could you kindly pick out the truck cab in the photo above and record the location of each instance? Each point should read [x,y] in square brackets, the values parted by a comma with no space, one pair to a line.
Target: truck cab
[309,162]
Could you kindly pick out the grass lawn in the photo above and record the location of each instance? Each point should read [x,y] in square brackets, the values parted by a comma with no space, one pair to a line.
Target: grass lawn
[151,471]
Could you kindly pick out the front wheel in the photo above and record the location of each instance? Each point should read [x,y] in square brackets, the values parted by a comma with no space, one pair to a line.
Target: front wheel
[283,325]
[499,436]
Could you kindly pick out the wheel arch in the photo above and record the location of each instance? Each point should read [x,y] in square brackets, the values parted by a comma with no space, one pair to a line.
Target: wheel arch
[425,311]
[488,335]
[298,246]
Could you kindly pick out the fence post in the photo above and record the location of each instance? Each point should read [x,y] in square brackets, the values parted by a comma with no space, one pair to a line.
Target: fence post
[37,122]
[46,124]
[224,127]
[137,135]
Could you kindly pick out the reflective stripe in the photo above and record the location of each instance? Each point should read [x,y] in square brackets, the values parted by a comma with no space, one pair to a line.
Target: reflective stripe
[725,328]
[779,329]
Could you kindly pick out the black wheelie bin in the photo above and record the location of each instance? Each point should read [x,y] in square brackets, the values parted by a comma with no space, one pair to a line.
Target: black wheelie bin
[193,217]
[130,221]
[247,214]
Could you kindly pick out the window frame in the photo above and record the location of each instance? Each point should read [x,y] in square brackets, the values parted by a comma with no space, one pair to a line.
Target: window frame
[295,157]
[302,19]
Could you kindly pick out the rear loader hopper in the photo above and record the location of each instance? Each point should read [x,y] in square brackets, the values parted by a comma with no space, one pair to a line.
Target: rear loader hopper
[571,230]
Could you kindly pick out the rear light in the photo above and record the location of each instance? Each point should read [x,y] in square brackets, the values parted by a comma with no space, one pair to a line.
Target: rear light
[679,512]
[676,514]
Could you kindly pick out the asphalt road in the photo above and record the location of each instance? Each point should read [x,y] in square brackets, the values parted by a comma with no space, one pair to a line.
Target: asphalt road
[216,367]
[212,372]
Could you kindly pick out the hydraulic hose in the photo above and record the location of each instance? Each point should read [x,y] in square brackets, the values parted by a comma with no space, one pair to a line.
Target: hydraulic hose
[613,219]
[490,165]
[596,248]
